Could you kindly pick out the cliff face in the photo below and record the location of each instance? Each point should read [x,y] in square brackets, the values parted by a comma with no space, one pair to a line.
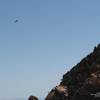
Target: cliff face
[82,82]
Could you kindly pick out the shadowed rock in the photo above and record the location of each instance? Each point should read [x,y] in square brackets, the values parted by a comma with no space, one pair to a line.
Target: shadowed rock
[33,98]
[82,81]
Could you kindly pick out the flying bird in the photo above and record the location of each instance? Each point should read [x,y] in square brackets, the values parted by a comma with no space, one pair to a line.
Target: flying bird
[15,21]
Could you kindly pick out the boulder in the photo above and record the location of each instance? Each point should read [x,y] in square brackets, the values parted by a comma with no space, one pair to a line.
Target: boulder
[32,98]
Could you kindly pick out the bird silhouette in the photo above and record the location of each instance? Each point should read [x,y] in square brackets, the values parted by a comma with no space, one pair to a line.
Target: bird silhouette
[15,21]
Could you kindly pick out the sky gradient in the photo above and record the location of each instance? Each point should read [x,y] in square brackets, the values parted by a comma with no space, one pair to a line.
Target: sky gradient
[49,38]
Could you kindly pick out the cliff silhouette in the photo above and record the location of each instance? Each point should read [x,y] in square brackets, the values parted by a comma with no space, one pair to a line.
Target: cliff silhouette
[82,82]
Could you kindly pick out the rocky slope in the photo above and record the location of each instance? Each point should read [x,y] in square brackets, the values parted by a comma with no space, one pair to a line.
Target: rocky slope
[82,82]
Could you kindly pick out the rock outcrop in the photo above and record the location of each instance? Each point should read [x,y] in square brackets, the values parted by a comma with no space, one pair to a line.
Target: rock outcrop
[58,93]
[82,82]
[32,98]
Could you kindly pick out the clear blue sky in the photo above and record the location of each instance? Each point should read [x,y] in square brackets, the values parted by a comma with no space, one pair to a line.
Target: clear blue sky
[50,37]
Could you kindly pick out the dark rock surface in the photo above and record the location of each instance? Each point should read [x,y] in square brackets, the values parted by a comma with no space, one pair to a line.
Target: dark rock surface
[32,98]
[82,82]
[58,93]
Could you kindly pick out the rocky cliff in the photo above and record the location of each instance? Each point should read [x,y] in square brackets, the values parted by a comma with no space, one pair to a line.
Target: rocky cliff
[82,82]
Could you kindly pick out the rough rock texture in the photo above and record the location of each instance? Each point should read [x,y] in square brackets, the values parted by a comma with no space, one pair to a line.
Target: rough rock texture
[82,82]
[58,93]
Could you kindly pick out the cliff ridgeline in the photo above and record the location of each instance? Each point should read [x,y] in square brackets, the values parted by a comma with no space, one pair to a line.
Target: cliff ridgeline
[82,82]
